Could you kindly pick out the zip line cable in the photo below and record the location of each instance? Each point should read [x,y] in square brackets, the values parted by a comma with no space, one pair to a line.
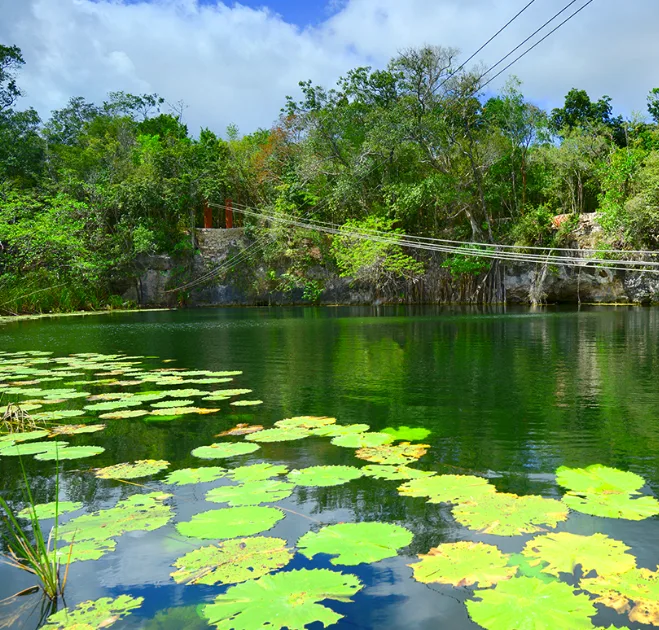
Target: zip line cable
[244,253]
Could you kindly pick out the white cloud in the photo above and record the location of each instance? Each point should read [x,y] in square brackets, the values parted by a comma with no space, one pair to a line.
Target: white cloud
[236,64]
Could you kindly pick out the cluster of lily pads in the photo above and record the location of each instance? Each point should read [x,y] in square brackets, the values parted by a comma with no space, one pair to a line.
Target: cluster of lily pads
[507,590]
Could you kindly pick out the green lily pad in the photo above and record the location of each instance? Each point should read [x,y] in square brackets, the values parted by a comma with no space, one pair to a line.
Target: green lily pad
[407,434]
[75,429]
[113,405]
[187,476]
[58,415]
[230,392]
[182,411]
[230,522]
[563,552]
[26,436]
[336,430]
[529,568]
[356,543]
[256,472]
[70,452]
[283,600]
[121,415]
[93,615]
[395,473]
[48,510]
[224,449]
[323,476]
[139,512]
[632,508]
[505,514]
[360,440]
[32,448]
[447,488]
[598,479]
[305,422]
[530,603]
[168,404]
[246,403]
[635,592]
[277,435]
[185,393]
[251,493]
[140,468]
[396,455]
[463,564]
[85,550]
[232,561]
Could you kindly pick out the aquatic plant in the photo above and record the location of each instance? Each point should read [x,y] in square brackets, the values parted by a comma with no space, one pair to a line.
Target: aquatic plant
[407,434]
[230,522]
[221,450]
[187,476]
[394,455]
[278,435]
[447,488]
[323,476]
[135,470]
[93,615]
[251,493]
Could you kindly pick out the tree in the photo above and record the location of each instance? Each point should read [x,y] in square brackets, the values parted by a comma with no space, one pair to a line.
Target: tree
[11,60]
[67,124]
[653,104]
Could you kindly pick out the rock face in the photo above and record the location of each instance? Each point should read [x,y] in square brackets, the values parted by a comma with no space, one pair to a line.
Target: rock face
[522,284]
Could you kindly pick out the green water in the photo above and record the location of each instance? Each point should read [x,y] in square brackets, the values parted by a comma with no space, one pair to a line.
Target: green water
[510,395]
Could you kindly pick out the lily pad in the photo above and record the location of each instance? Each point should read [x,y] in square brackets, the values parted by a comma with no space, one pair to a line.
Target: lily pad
[323,476]
[224,449]
[356,543]
[70,452]
[395,473]
[598,479]
[360,440]
[229,392]
[139,512]
[447,488]
[246,403]
[278,435]
[187,476]
[283,600]
[32,448]
[93,615]
[140,468]
[635,592]
[230,522]
[232,561]
[58,415]
[531,603]
[397,455]
[464,564]
[75,429]
[182,411]
[505,514]
[563,552]
[168,404]
[256,472]
[26,436]
[113,405]
[251,493]
[241,429]
[185,393]
[305,422]
[85,550]
[632,508]
[121,415]
[408,434]
[336,430]
[48,510]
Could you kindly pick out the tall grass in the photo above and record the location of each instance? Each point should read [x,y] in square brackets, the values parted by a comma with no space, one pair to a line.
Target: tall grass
[29,550]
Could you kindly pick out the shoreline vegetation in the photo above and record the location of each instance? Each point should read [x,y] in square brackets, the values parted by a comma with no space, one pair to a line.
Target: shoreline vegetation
[416,148]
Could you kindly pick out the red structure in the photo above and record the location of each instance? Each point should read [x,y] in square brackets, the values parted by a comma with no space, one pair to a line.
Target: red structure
[208,216]
[228,214]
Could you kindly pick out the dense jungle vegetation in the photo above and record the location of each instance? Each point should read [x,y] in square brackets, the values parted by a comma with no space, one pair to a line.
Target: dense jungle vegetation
[418,148]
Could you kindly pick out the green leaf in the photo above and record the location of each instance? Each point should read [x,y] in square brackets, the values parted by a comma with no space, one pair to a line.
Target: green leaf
[397,455]
[408,434]
[57,415]
[322,476]
[70,452]
[93,615]
[563,552]
[611,505]
[48,510]
[121,415]
[463,564]
[395,473]
[230,522]
[256,472]
[182,411]
[360,440]
[232,561]
[229,392]
[505,514]
[85,550]
[251,493]
[530,603]
[26,436]
[187,476]
[447,488]
[168,404]
[305,422]
[32,448]
[224,449]
[339,429]
[246,403]
[356,543]
[277,435]
[527,568]
[598,478]
[185,393]
[111,405]
[140,468]
[75,429]
[140,512]
[284,600]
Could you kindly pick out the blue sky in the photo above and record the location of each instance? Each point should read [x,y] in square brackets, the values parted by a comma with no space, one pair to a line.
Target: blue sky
[236,63]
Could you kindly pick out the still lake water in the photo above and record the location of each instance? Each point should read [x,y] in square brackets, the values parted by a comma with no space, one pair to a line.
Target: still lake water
[510,395]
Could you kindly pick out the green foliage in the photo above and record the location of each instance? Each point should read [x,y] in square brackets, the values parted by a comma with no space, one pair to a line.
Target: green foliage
[251,493]
[230,522]
[460,265]
[94,615]
[322,476]
[141,468]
